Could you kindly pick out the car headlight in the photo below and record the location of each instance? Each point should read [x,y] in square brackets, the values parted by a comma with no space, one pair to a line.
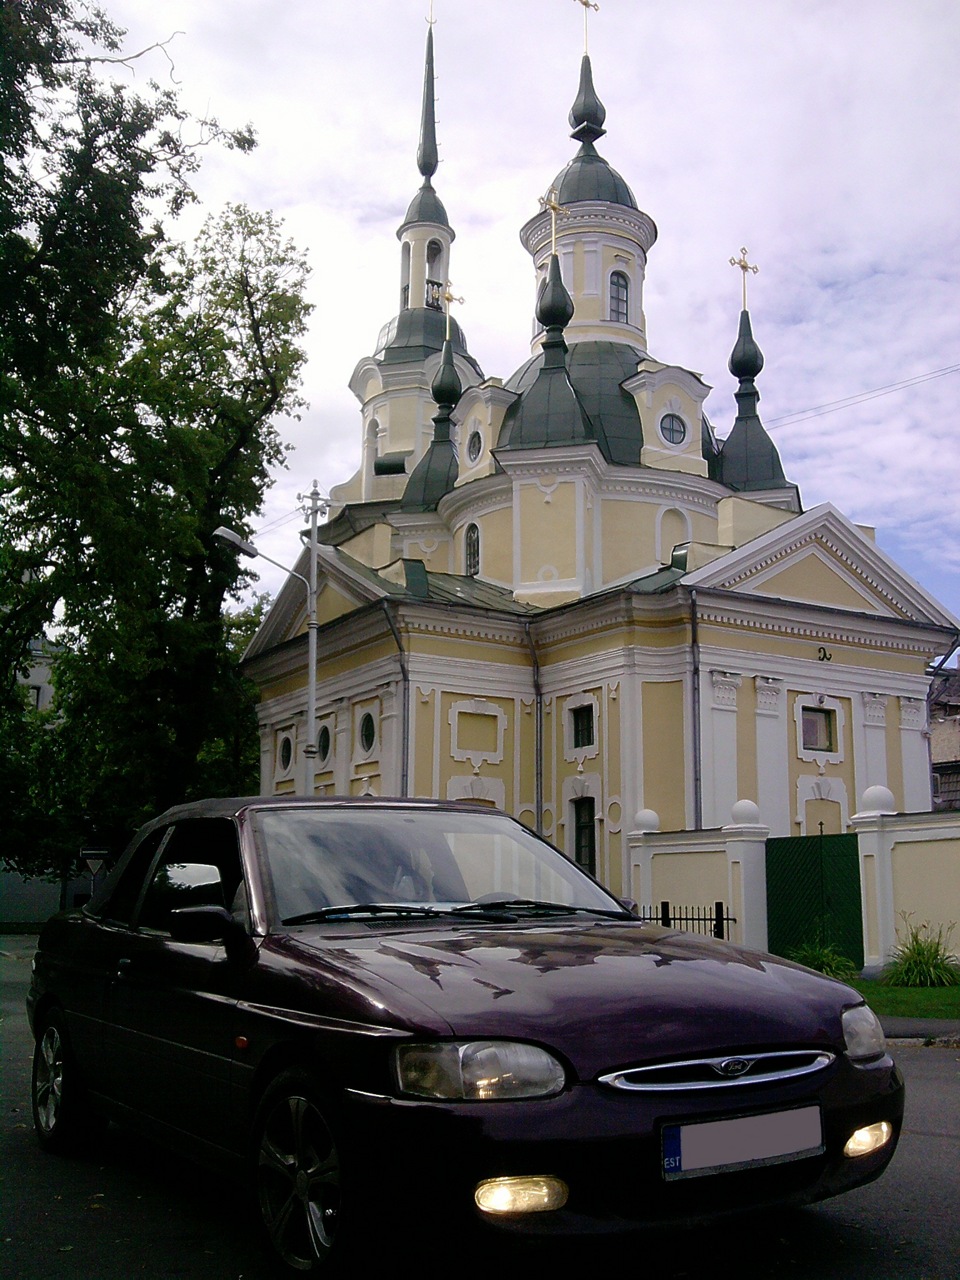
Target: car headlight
[478,1071]
[862,1033]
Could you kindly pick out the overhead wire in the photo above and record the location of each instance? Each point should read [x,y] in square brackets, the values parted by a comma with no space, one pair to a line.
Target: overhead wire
[847,402]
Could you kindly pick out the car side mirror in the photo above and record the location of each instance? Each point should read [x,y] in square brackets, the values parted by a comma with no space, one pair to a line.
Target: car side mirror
[213,924]
[629,905]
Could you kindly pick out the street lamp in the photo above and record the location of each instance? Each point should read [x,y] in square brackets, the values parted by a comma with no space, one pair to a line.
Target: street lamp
[248,549]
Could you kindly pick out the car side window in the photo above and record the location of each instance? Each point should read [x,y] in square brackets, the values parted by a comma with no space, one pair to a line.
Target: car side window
[199,866]
[118,898]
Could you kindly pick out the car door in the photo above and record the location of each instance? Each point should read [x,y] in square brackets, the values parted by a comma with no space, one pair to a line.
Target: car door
[173,1005]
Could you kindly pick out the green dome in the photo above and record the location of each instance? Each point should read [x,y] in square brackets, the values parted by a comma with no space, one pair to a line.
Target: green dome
[589,177]
[418,332]
[596,370]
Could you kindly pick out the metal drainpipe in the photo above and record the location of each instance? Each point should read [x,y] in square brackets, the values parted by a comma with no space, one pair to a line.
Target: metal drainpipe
[697,749]
[405,708]
[538,729]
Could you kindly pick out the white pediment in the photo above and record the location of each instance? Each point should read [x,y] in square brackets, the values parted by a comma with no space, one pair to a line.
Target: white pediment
[343,586]
[823,559]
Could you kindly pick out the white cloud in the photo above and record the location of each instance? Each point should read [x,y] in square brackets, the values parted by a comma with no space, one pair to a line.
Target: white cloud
[821,135]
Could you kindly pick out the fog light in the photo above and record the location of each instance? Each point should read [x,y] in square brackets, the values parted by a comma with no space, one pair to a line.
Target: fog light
[520,1195]
[872,1138]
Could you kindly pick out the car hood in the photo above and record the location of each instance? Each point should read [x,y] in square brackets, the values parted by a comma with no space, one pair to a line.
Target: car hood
[603,994]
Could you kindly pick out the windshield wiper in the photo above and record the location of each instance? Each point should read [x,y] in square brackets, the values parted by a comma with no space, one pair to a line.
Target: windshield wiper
[533,906]
[362,909]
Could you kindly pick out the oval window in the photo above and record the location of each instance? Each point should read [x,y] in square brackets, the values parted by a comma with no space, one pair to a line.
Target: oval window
[323,742]
[474,446]
[286,753]
[368,731]
[673,428]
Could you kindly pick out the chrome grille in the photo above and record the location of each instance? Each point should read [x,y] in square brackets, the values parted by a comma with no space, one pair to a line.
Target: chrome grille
[720,1073]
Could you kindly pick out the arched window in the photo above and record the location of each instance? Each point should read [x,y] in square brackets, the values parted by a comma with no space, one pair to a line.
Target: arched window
[435,277]
[619,297]
[471,551]
[405,276]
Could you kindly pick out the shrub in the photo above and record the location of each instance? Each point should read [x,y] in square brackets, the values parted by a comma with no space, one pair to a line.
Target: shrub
[826,959]
[924,958]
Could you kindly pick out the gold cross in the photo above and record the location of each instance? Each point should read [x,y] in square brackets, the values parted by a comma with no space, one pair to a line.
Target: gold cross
[448,298]
[587,5]
[549,201]
[744,266]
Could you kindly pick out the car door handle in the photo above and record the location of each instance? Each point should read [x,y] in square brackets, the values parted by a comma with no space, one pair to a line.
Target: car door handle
[124,967]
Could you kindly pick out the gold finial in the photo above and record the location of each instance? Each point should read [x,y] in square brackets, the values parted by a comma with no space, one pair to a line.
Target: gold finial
[744,266]
[448,298]
[549,201]
[587,6]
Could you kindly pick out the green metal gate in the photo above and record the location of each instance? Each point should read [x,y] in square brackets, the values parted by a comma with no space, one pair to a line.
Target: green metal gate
[813,894]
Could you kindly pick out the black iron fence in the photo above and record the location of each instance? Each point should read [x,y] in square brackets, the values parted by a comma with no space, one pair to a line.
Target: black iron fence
[710,920]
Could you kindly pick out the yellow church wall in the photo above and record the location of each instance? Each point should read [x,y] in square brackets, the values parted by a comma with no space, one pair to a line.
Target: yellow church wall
[812,580]
[747,772]
[330,668]
[688,879]
[894,751]
[728,636]
[739,520]
[629,532]
[817,810]
[664,634]
[496,545]
[473,736]
[548,529]
[425,747]
[331,604]
[373,547]
[926,883]
[664,764]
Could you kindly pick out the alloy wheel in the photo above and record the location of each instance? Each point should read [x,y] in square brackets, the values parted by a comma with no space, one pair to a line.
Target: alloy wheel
[48,1080]
[299,1182]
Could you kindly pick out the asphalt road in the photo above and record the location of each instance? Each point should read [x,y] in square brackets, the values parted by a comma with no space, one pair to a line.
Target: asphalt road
[130,1210]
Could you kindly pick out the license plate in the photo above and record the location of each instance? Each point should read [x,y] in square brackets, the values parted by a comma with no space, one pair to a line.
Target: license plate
[718,1146]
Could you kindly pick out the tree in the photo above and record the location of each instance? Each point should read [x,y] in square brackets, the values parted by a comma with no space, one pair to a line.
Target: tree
[140,386]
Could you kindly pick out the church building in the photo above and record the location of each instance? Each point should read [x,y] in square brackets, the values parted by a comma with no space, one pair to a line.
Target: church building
[563,593]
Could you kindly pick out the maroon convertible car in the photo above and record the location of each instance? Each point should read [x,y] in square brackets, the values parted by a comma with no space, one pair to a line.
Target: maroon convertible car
[383,1008]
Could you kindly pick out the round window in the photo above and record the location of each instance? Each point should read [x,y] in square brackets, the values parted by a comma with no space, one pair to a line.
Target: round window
[286,753]
[323,742]
[368,731]
[673,428]
[474,446]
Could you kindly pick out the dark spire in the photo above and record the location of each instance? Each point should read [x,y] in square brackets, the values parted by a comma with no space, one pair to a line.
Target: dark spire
[749,458]
[427,159]
[554,305]
[426,205]
[587,113]
[436,473]
[549,413]
[588,176]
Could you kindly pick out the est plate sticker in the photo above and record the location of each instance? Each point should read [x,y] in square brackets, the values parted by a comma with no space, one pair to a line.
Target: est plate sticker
[692,1150]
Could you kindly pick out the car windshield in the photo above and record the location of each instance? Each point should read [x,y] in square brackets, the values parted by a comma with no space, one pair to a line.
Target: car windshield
[427,862]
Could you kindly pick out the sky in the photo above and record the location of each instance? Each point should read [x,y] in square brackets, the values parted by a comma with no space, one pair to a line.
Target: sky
[821,134]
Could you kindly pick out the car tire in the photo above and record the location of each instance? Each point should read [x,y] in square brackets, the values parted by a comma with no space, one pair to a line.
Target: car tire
[62,1116]
[298,1177]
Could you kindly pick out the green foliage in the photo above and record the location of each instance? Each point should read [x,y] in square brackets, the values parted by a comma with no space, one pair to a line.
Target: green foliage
[923,958]
[825,958]
[140,386]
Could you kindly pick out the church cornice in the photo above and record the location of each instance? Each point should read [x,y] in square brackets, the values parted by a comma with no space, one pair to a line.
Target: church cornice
[770,616]
[589,216]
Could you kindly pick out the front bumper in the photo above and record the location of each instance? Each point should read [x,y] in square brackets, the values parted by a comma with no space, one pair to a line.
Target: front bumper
[606,1146]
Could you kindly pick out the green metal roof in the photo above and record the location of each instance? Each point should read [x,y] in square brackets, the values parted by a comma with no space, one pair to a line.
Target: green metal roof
[418,333]
[596,370]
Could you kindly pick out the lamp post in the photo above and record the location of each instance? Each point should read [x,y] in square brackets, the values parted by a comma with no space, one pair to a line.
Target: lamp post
[317,506]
